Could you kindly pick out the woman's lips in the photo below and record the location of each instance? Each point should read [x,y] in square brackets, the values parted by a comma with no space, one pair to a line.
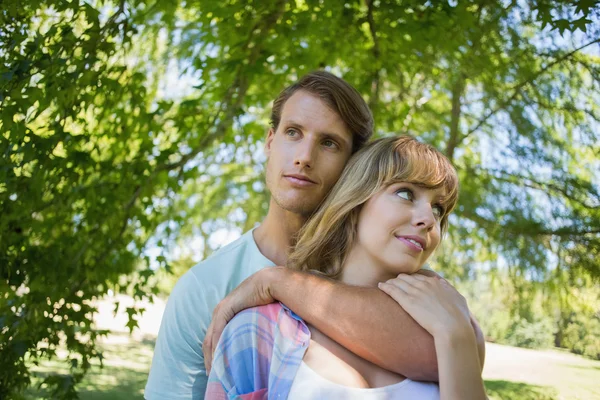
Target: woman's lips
[411,243]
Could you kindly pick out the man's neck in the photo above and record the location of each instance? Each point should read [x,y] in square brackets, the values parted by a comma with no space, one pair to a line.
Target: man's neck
[275,236]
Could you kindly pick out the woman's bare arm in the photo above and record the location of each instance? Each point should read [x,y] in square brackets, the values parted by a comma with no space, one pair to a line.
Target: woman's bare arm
[440,309]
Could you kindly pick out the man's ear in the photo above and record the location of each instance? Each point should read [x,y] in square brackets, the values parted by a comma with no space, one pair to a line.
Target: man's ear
[270,137]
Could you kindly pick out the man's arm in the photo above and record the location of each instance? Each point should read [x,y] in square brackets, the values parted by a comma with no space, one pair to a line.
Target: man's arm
[364,320]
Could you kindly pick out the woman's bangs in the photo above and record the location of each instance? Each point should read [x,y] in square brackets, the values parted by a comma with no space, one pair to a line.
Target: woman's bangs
[420,165]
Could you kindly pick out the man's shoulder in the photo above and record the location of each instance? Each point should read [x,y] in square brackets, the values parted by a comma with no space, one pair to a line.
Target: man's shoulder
[177,367]
[242,244]
[222,263]
[209,281]
[241,251]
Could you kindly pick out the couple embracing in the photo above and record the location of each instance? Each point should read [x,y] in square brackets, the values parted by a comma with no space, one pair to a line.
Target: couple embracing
[348,313]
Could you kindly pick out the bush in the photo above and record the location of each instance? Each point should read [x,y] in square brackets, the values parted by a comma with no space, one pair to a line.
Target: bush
[496,324]
[535,334]
[581,336]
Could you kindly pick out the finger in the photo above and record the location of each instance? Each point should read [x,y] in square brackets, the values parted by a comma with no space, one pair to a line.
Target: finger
[445,282]
[407,281]
[412,277]
[207,349]
[429,273]
[217,331]
[211,346]
[415,285]
[394,291]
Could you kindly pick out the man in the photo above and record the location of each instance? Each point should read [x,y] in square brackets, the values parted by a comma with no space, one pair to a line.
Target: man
[317,124]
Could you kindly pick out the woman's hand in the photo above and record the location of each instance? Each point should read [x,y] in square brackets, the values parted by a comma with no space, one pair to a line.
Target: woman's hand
[431,301]
[443,312]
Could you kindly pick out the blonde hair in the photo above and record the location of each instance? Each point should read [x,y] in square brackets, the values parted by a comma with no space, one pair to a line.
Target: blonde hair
[325,240]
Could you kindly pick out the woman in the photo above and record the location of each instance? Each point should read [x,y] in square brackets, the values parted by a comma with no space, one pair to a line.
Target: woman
[379,225]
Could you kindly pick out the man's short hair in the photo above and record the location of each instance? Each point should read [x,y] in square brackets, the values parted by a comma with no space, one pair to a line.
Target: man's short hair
[337,94]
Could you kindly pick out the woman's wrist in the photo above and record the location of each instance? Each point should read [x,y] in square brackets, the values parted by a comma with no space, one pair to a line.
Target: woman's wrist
[457,335]
[459,365]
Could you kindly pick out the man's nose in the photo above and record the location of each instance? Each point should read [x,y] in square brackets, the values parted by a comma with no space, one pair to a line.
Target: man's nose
[305,153]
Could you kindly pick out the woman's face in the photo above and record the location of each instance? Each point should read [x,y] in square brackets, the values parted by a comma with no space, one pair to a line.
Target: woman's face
[399,227]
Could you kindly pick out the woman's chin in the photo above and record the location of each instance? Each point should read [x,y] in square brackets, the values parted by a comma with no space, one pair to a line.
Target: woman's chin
[407,269]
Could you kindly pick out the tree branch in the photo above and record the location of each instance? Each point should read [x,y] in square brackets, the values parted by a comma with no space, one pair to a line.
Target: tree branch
[375,84]
[229,106]
[532,183]
[518,230]
[458,89]
[236,93]
[521,85]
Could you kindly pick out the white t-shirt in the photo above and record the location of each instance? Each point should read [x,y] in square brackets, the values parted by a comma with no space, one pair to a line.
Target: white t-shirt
[309,385]
[177,370]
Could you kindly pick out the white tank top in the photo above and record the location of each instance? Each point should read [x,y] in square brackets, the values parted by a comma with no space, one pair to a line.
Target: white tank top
[310,385]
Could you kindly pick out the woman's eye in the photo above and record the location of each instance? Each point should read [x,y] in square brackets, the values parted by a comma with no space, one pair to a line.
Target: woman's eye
[404,194]
[438,211]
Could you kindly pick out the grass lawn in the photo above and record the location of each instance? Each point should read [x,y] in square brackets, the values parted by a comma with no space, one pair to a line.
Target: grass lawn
[515,373]
[126,364]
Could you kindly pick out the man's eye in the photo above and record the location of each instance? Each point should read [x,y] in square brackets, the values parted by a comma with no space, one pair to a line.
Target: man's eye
[291,132]
[330,144]
[404,194]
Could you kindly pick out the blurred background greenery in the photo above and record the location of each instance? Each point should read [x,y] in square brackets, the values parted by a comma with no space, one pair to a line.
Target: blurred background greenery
[131,136]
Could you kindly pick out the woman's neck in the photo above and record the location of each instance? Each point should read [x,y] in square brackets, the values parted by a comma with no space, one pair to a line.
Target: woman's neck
[360,269]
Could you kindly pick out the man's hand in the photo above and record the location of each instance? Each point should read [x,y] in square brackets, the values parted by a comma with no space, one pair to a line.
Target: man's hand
[252,292]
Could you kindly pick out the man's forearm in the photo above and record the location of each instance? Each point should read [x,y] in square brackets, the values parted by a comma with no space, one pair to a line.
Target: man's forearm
[364,320]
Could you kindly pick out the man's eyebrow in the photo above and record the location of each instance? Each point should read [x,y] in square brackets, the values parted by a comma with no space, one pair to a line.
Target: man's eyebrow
[336,137]
[325,135]
[294,124]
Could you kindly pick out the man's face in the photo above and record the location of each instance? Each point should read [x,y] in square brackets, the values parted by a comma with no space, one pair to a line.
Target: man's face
[307,153]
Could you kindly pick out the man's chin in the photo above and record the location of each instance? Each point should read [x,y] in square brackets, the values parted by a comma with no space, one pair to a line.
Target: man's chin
[302,211]
[296,206]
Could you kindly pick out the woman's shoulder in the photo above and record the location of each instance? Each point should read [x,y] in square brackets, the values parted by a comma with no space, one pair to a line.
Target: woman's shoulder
[268,313]
[269,310]
[274,318]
